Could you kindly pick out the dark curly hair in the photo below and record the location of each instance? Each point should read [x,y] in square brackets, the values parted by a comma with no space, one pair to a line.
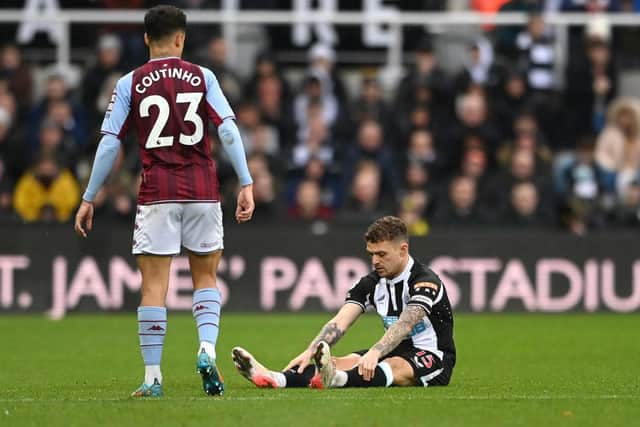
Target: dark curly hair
[164,20]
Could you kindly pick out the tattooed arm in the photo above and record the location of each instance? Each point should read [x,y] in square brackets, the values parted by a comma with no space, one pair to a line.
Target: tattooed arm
[399,330]
[409,317]
[331,332]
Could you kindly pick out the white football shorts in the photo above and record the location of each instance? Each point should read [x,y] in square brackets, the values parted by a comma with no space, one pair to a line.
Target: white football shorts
[162,228]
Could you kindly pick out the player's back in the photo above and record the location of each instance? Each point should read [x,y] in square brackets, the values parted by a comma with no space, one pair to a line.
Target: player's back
[169,111]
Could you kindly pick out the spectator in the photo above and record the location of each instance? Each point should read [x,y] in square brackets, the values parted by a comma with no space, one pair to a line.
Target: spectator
[60,112]
[416,176]
[264,196]
[461,207]
[13,158]
[52,142]
[370,146]
[422,150]
[582,189]
[527,136]
[47,192]
[618,146]
[417,179]
[475,166]
[427,77]
[370,105]
[256,136]
[18,75]
[121,205]
[591,85]
[275,109]
[216,61]
[479,69]
[510,102]
[329,181]
[313,96]
[522,168]
[265,186]
[412,207]
[308,205]
[315,140]
[365,200]
[266,68]
[507,35]
[524,207]
[418,118]
[627,49]
[473,120]
[537,55]
[628,210]
[322,67]
[100,78]
[56,90]
[8,101]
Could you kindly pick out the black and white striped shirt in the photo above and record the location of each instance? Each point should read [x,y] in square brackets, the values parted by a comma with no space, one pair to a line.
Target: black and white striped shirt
[390,296]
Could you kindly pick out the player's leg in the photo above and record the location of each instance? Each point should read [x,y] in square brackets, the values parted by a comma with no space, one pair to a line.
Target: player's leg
[152,320]
[262,377]
[415,367]
[206,299]
[330,376]
[254,371]
[156,237]
[202,235]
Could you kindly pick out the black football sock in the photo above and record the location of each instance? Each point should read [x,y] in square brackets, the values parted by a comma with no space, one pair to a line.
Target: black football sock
[294,379]
[354,379]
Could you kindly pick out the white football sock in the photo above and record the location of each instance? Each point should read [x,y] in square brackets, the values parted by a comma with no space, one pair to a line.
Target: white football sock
[388,372]
[339,379]
[280,379]
[208,348]
[151,373]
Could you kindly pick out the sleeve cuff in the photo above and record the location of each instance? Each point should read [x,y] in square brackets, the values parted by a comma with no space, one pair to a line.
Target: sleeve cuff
[88,196]
[421,301]
[358,303]
[245,180]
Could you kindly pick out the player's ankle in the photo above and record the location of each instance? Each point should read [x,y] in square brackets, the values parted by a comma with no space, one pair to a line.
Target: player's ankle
[152,373]
[208,348]
[279,378]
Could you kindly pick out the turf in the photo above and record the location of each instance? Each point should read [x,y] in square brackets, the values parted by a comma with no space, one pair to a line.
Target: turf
[512,370]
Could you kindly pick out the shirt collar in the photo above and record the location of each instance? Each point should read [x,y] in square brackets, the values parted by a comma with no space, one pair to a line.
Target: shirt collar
[164,58]
[404,272]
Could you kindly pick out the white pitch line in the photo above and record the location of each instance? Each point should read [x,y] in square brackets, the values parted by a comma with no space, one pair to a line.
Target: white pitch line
[329,397]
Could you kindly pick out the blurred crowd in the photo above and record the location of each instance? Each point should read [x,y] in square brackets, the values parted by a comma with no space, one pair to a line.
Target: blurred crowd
[498,143]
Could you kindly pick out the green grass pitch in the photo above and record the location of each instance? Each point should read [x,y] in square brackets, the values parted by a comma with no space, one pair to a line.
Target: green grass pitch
[512,370]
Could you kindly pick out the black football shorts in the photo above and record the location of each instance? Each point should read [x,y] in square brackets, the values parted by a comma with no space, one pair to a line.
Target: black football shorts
[428,368]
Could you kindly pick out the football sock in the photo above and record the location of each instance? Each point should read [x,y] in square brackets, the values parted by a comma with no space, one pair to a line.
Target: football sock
[152,327]
[206,312]
[279,378]
[340,379]
[382,377]
[294,379]
[152,373]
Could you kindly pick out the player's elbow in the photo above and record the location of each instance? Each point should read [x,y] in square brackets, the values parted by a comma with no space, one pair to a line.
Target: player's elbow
[228,132]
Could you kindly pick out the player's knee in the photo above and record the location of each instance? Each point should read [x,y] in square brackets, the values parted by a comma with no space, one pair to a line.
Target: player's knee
[403,374]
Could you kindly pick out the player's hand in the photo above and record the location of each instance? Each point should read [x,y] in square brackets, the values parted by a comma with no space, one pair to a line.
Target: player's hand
[84,218]
[245,205]
[367,364]
[302,361]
